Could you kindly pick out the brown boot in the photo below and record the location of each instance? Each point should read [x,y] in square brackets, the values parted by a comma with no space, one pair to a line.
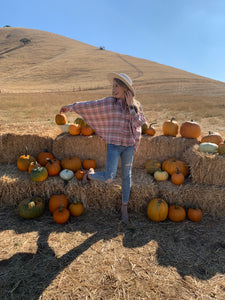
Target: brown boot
[125,217]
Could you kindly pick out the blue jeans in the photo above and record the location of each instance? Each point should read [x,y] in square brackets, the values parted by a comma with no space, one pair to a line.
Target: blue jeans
[113,154]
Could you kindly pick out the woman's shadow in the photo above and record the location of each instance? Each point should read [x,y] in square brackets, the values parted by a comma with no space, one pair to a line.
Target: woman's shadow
[43,267]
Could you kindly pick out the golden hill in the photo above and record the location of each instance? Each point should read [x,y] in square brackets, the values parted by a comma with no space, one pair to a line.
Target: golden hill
[38,61]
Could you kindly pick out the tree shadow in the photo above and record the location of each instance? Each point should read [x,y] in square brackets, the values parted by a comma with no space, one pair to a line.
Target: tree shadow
[177,245]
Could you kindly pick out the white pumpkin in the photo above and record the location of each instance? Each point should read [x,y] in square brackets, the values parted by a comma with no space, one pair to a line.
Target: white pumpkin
[66,174]
[160,175]
[208,147]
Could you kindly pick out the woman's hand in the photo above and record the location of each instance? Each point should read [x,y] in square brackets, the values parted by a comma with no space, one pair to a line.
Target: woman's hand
[65,109]
[129,98]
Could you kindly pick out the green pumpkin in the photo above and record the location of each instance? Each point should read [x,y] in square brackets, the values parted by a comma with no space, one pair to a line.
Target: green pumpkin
[152,166]
[144,127]
[39,174]
[80,121]
[208,147]
[31,208]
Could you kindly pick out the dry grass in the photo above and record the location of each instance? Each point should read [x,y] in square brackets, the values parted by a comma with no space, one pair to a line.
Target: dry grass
[95,256]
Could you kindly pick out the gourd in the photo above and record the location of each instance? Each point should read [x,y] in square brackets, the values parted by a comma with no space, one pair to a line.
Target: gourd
[87,130]
[31,208]
[144,127]
[151,130]
[53,167]
[88,164]
[80,121]
[66,174]
[190,130]
[152,165]
[208,147]
[161,175]
[72,163]
[170,165]
[76,209]
[194,214]
[157,209]
[33,165]
[60,119]
[39,174]
[176,213]
[212,137]
[42,157]
[177,178]
[24,161]
[80,174]
[221,148]
[61,215]
[56,201]
[170,127]
[74,129]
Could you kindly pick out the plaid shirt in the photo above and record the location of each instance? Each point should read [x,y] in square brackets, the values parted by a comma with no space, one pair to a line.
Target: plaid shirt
[112,120]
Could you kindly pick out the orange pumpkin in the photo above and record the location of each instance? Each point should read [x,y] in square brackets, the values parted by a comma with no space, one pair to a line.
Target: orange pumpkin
[24,161]
[151,130]
[76,209]
[56,201]
[176,213]
[190,130]
[170,165]
[87,130]
[212,137]
[157,209]
[88,164]
[42,157]
[74,129]
[170,127]
[80,174]
[39,174]
[53,167]
[61,215]
[72,163]
[221,148]
[60,119]
[177,178]
[194,214]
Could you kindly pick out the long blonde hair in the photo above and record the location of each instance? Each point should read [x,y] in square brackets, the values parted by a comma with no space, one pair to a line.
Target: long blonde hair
[125,87]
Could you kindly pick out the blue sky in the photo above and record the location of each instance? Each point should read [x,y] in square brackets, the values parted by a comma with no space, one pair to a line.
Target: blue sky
[185,34]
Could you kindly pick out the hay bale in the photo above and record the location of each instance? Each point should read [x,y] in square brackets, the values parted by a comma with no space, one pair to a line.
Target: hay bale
[160,148]
[210,198]
[205,168]
[13,145]
[16,185]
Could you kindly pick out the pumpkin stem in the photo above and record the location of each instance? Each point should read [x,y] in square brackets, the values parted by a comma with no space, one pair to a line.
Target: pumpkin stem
[172,119]
[26,151]
[178,171]
[49,160]
[61,208]
[152,124]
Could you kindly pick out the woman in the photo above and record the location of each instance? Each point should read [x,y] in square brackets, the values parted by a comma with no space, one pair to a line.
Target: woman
[118,121]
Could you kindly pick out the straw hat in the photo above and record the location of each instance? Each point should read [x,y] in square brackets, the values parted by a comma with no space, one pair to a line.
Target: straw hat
[123,77]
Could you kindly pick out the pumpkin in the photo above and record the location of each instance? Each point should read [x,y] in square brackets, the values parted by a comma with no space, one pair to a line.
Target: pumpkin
[176,213]
[74,129]
[72,163]
[39,174]
[152,165]
[208,147]
[194,214]
[151,130]
[88,164]
[177,178]
[61,215]
[60,119]
[56,201]
[66,174]
[170,127]
[161,175]
[170,165]
[190,130]
[76,209]
[42,157]
[87,130]
[80,121]
[80,174]
[24,161]
[212,137]
[33,165]
[144,127]
[53,167]
[221,148]
[157,209]
[31,208]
